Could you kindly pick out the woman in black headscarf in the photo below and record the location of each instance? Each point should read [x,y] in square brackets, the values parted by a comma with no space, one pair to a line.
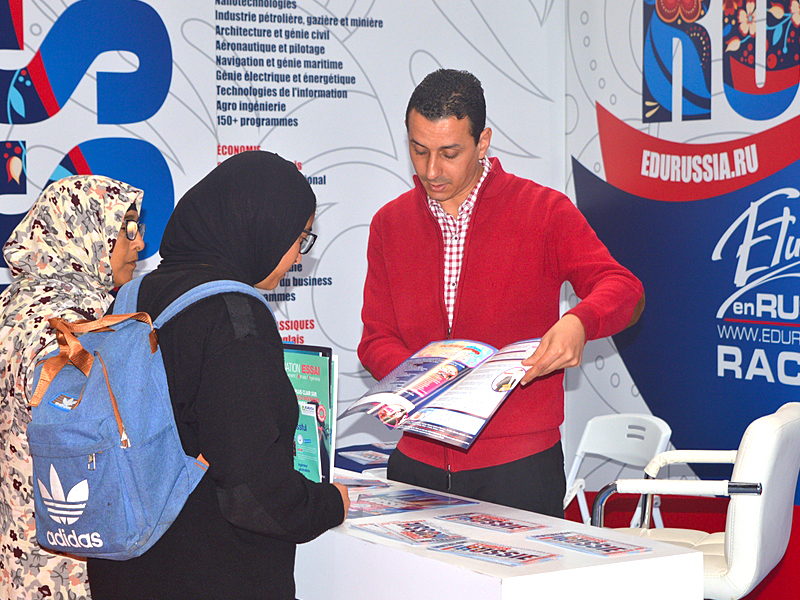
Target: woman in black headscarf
[235,537]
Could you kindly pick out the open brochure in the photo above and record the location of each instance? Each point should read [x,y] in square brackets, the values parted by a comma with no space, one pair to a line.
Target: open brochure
[448,390]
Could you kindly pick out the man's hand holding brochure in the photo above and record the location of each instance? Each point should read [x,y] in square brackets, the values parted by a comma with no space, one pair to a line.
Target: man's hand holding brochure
[448,390]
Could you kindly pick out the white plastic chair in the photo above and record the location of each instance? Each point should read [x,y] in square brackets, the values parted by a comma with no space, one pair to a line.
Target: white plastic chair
[628,438]
[759,521]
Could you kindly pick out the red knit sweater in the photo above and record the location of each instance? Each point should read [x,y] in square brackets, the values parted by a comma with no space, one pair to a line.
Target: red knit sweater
[523,242]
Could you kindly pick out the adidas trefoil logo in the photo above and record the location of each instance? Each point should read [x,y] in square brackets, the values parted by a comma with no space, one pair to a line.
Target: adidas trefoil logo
[63,509]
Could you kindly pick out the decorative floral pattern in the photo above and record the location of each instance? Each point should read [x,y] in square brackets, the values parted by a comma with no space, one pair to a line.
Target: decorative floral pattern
[731,6]
[665,21]
[59,256]
[747,19]
[671,10]
[781,25]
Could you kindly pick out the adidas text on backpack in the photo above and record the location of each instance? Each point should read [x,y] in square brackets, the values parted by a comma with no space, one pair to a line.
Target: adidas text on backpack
[110,474]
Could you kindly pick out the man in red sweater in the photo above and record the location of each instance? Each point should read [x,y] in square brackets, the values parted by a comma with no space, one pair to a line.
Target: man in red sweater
[473,252]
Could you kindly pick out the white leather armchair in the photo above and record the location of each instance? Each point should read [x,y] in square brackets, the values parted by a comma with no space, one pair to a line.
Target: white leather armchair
[759,519]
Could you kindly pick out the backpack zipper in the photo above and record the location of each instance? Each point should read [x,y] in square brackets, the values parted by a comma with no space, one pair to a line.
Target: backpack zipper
[124,441]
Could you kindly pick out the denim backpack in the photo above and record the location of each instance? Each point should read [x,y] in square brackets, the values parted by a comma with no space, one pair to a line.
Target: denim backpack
[110,474]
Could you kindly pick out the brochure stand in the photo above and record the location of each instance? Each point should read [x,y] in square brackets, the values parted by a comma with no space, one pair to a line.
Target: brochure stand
[348,562]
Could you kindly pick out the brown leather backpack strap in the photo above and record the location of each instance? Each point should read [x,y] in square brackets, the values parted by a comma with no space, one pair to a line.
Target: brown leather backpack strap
[67,342]
[69,350]
[72,351]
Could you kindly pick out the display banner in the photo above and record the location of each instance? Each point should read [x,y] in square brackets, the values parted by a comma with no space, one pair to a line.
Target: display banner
[698,194]
[111,87]
[674,124]
[157,93]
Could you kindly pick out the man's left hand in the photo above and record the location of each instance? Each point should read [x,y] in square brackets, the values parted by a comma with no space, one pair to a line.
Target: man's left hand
[561,347]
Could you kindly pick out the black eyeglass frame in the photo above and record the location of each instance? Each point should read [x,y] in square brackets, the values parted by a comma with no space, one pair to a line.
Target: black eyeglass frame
[131,231]
[306,243]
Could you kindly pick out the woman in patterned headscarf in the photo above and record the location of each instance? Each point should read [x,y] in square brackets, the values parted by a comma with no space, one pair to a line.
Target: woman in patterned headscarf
[79,240]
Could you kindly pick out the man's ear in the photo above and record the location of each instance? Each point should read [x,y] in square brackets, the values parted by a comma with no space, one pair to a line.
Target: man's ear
[483,142]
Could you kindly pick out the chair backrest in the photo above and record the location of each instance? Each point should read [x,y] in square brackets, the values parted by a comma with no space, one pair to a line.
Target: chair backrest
[630,438]
[758,527]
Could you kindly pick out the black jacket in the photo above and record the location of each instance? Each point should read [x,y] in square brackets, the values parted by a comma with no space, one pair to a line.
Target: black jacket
[235,537]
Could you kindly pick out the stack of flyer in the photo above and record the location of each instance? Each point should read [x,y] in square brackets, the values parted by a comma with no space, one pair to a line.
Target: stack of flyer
[497,553]
[411,532]
[399,501]
[588,543]
[491,522]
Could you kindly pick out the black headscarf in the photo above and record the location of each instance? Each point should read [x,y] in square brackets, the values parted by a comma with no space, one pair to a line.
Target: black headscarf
[241,218]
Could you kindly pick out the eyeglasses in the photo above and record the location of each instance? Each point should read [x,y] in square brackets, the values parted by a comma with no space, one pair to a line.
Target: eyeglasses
[307,242]
[132,228]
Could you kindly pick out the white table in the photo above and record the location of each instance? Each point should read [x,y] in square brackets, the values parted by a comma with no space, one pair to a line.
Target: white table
[346,563]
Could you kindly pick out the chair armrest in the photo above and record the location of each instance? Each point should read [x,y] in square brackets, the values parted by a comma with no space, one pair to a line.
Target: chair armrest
[667,487]
[673,487]
[689,456]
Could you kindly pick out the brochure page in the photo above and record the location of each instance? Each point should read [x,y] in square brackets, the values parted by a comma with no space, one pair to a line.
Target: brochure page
[460,412]
[419,379]
[306,443]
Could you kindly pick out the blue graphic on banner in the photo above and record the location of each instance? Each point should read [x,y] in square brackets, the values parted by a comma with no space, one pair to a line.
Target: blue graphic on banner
[718,344]
[11,36]
[136,162]
[15,179]
[38,91]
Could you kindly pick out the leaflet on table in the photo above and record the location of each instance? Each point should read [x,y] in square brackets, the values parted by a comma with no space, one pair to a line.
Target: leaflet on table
[385,445]
[416,532]
[497,553]
[588,543]
[366,457]
[492,522]
[312,371]
[448,390]
[399,501]
[355,482]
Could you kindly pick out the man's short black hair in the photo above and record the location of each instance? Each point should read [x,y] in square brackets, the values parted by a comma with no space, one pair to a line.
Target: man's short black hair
[449,93]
